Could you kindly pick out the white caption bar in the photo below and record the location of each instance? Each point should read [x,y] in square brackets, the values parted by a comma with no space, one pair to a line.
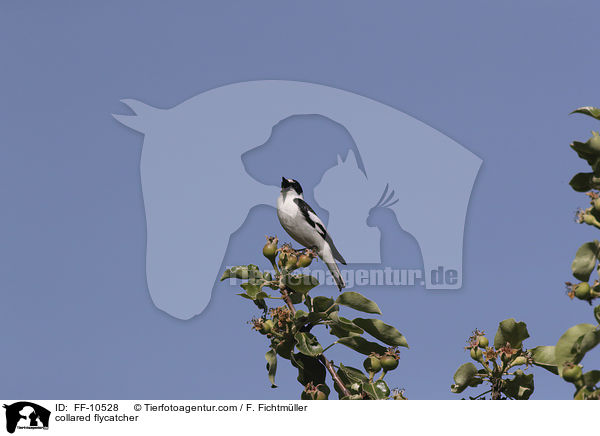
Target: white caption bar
[156,417]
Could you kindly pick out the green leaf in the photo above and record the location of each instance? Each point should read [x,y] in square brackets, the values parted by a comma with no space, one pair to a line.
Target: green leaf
[271,357]
[377,391]
[581,394]
[591,111]
[585,260]
[544,357]
[308,344]
[582,147]
[310,370]
[242,272]
[351,375]
[520,387]
[315,317]
[300,313]
[511,331]
[340,332]
[463,377]
[590,151]
[253,289]
[284,348]
[382,389]
[581,182]
[296,297]
[574,343]
[597,313]
[590,340]
[476,381]
[583,151]
[323,304]
[308,302]
[591,378]
[301,282]
[358,302]
[382,331]
[360,344]
[260,304]
[239,272]
[266,275]
[344,323]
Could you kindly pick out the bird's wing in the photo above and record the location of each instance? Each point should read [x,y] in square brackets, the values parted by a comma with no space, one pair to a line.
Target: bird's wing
[311,218]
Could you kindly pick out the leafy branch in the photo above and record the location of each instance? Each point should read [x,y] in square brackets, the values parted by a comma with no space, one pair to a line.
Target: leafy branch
[562,359]
[290,330]
[496,363]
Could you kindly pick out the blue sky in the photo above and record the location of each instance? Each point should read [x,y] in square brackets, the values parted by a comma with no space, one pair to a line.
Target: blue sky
[499,79]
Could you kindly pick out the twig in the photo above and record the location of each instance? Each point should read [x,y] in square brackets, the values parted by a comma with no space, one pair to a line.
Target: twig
[288,301]
[497,389]
[328,365]
[334,376]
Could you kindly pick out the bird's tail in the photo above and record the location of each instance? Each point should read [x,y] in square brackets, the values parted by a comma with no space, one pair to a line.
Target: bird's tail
[329,260]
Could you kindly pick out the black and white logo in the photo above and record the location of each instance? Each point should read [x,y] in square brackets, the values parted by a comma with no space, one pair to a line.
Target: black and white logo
[26,415]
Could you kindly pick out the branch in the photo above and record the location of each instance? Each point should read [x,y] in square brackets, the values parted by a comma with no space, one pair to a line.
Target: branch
[322,358]
[497,389]
[334,376]
[288,301]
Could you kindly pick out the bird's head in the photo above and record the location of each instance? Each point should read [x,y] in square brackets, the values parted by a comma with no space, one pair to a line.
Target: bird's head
[383,203]
[289,185]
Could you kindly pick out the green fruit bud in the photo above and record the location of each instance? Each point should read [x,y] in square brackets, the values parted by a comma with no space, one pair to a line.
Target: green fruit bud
[483,341]
[319,395]
[304,261]
[267,327]
[572,373]
[594,144]
[589,219]
[521,360]
[389,363]
[476,354]
[372,364]
[290,262]
[270,250]
[596,203]
[582,291]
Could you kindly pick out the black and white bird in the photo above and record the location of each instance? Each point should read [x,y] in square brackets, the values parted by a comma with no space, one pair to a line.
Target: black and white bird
[302,223]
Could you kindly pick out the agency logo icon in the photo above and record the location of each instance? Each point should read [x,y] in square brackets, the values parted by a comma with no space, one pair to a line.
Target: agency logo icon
[197,191]
[25,415]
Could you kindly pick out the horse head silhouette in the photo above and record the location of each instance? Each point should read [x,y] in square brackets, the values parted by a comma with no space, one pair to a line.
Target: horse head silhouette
[192,178]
